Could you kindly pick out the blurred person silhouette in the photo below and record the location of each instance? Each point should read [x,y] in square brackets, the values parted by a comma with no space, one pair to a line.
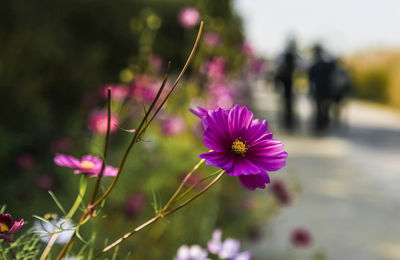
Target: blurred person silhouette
[340,88]
[319,75]
[284,78]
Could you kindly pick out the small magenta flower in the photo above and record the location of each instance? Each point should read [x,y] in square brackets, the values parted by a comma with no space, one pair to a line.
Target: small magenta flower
[134,204]
[145,88]
[241,145]
[215,69]
[212,39]
[280,192]
[155,62]
[194,252]
[229,249]
[257,66]
[118,92]
[189,17]
[98,122]
[62,144]
[90,165]
[26,160]
[8,227]
[45,181]
[173,125]
[247,49]
[222,95]
[300,238]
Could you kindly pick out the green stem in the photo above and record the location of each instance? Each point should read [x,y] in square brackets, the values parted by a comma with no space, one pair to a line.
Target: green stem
[171,200]
[159,216]
[14,256]
[135,138]
[75,206]
[103,164]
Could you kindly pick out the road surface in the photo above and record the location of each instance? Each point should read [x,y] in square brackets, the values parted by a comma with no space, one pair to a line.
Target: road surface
[350,183]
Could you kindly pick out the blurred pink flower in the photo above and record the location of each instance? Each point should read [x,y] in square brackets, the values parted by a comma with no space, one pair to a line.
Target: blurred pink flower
[155,62]
[300,238]
[145,88]
[173,125]
[189,17]
[215,69]
[118,92]
[98,122]
[25,160]
[280,192]
[62,144]
[257,66]
[221,95]
[134,204]
[90,165]
[8,227]
[247,49]
[45,182]
[195,178]
[212,39]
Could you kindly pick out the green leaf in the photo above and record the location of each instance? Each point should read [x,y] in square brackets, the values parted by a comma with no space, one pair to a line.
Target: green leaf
[42,219]
[57,202]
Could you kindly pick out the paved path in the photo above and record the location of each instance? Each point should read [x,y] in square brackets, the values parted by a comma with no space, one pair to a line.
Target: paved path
[350,181]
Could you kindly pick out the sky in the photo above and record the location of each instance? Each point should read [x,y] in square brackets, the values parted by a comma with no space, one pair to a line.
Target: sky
[342,26]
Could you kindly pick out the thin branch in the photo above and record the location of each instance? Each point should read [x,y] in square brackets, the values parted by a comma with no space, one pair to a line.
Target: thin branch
[159,216]
[171,200]
[103,165]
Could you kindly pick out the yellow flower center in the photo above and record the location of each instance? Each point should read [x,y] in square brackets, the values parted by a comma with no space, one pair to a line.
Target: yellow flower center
[239,147]
[3,227]
[87,165]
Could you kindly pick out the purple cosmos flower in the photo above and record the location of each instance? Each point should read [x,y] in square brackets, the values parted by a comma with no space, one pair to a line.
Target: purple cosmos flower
[241,145]
[8,227]
[90,165]
[189,17]
[191,253]
[229,249]
[300,238]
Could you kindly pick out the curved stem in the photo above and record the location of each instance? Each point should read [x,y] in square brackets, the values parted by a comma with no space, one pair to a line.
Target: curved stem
[135,138]
[159,216]
[103,164]
[171,200]
[195,196]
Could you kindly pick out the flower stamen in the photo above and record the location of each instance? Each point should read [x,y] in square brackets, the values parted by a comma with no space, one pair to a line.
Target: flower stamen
[239,148]
[3,228]
[87,165]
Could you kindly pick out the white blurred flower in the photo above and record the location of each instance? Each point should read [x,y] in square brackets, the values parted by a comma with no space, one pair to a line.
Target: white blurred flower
[229,249]
[63,227]
[194,252]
